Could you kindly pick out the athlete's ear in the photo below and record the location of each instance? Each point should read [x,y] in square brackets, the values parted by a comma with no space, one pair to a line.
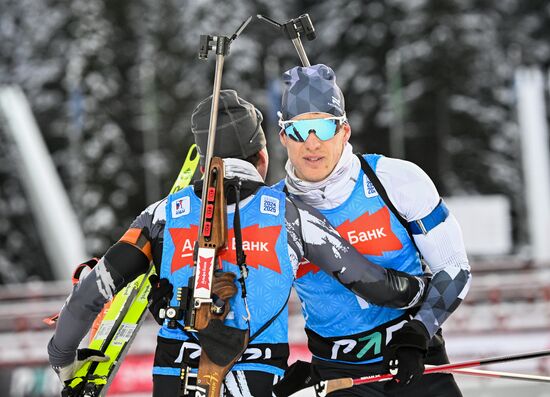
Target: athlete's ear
[347,131]
[263,163]
[201,169]
[283,137]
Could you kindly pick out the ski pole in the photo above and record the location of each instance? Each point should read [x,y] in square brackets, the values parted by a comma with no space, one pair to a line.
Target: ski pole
[464,364]
[500,375]
[325,387]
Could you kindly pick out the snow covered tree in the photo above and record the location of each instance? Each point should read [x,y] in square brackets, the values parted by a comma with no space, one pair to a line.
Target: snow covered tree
[113,86]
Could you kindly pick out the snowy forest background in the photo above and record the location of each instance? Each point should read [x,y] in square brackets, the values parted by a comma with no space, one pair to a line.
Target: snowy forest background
[113,84]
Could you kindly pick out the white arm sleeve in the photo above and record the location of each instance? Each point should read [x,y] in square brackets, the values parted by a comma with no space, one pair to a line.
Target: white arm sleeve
[414,195]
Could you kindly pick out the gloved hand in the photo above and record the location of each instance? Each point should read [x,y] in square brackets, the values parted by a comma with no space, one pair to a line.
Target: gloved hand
[223,289]
[405,354]
[298,376]
[83,356]
[159,297]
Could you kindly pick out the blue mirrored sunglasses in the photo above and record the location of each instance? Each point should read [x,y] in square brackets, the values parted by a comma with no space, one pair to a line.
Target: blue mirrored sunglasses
[324,129]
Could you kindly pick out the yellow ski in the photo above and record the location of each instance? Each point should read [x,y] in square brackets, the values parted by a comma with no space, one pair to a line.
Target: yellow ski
[121,322]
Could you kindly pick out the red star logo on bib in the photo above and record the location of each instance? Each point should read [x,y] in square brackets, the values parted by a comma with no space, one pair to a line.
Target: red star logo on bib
[259,244]
[369,234]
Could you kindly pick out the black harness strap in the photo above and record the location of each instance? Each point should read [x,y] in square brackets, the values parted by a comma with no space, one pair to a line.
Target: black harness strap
[384,195]
[270,321]
[382,192]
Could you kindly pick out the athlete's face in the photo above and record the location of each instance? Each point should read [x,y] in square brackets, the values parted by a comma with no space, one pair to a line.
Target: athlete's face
[314,159]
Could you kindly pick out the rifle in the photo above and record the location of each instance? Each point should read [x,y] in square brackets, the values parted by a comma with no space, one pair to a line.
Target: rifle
[221,345]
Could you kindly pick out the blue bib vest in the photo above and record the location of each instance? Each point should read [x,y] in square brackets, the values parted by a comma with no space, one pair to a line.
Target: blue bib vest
[270,272]
[340,325]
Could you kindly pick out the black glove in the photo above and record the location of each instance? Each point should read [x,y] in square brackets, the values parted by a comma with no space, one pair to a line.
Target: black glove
[298,376]
[159,297]
[405,354]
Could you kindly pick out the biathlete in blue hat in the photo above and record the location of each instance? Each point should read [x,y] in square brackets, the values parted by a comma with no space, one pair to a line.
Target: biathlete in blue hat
[391,212]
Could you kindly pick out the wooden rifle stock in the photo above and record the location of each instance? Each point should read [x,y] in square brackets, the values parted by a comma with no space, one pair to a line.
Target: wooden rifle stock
[212,239]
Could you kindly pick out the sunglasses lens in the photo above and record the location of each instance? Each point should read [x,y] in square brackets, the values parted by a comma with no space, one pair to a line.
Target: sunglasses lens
[323,129]
[294,134]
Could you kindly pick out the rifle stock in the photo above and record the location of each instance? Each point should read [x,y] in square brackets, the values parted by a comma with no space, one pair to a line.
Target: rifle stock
[211,241]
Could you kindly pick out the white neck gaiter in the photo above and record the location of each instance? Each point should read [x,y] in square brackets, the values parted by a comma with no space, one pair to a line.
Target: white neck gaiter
[244,170]
[241,169]
[331,191]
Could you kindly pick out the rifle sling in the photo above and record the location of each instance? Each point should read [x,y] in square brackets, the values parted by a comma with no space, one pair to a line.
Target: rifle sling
[237,185]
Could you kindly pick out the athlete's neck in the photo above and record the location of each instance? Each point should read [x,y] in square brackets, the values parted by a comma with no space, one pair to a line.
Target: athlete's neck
[331,191]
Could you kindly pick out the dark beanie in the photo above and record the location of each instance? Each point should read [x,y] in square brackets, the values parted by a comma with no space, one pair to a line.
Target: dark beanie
[239,132]
[311,89]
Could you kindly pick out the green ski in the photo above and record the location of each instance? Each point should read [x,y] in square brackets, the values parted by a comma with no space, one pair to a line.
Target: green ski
[123,319]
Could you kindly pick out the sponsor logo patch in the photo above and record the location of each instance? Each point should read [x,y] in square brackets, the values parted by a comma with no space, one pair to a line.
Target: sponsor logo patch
[269,205]
[181,207]
[371,234]
[370,190]
[205,268]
